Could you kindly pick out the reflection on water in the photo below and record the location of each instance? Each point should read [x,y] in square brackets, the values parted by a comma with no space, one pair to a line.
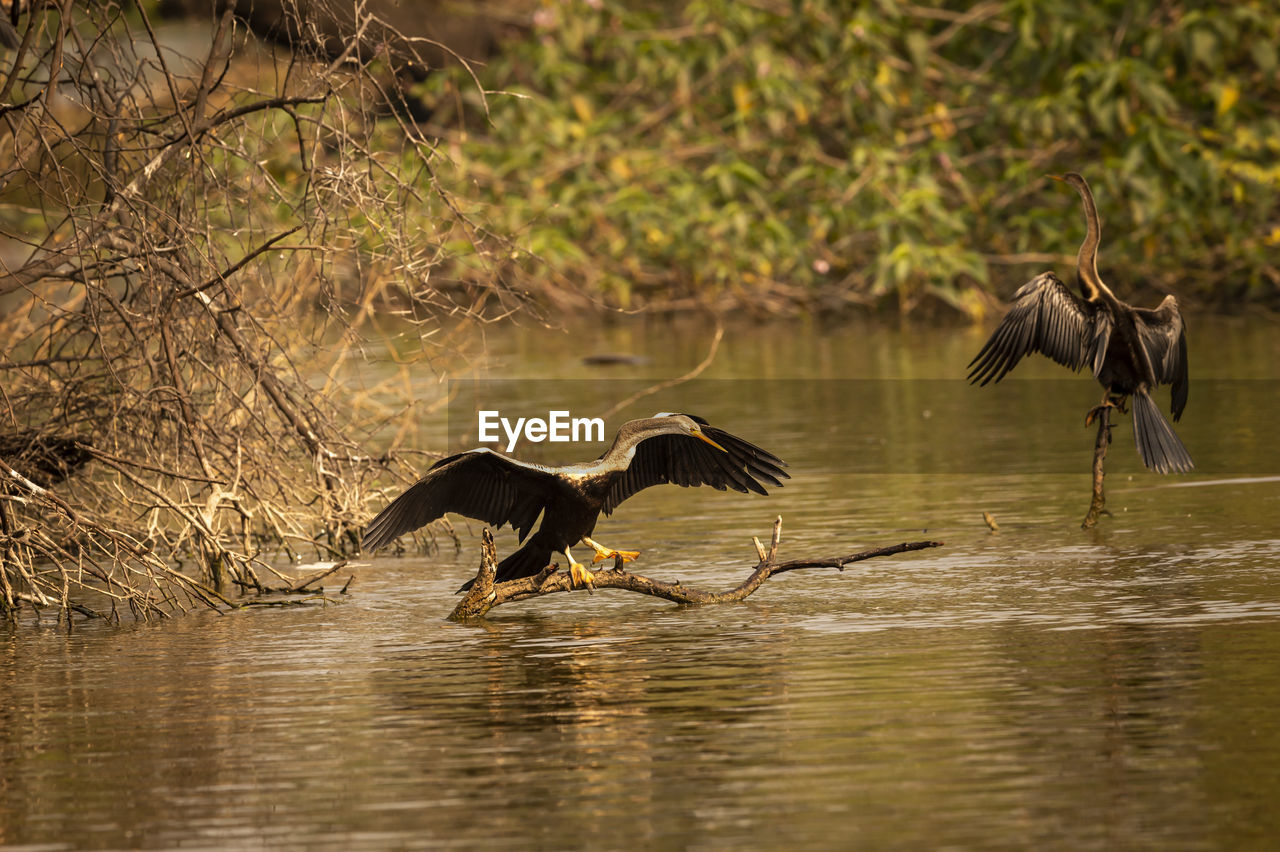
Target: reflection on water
[1036,686]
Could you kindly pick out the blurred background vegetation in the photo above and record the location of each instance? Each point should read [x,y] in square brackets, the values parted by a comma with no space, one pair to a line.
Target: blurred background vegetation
[819,154]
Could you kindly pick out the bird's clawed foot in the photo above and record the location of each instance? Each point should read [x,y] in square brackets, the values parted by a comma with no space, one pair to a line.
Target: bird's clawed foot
[603,553]
[1109,402]
[580,577]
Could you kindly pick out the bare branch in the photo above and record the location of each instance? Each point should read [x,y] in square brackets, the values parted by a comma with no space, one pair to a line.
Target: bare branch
[678,380]
[161,334]
[484,594]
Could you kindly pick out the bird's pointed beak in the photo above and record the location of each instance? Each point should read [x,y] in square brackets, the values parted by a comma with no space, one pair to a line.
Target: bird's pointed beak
[702,435]
[1058,178]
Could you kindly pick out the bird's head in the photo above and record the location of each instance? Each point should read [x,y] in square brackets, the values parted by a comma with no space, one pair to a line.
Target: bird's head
[686,424]
[1071,179]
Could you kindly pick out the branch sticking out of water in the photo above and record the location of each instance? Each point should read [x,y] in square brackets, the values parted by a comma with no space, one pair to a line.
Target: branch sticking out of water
[1098,502]
[485,594]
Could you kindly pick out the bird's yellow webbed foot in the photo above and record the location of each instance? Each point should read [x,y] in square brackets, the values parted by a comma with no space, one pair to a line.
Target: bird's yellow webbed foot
[579,576]
[624,555]
[603,553]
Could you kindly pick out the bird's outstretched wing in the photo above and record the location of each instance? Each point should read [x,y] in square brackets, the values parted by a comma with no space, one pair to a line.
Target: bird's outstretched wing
[480,484]
[1165,339]
[1045,317]
[685,460]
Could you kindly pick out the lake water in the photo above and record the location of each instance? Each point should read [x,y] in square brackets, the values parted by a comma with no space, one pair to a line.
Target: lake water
[1036,686]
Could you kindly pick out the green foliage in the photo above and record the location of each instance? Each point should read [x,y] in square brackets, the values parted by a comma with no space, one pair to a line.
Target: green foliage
[825,153]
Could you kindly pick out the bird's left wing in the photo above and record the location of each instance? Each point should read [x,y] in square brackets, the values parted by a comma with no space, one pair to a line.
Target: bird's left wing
[1045,317]
[1164,337]
[684,460]
[480,484]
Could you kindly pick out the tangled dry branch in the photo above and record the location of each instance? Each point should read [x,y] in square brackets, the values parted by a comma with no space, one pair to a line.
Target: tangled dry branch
[191,244]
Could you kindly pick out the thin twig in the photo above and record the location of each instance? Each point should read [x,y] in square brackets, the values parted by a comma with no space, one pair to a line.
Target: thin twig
[661,386]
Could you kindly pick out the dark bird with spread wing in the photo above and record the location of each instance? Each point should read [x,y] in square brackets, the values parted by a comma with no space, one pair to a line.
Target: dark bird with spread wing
[681,449]
[1130,350]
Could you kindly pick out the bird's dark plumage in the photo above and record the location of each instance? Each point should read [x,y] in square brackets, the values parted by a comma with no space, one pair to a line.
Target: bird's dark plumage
[1045,317]
[667,448]
[480,484]
[675,459]
[1131,351]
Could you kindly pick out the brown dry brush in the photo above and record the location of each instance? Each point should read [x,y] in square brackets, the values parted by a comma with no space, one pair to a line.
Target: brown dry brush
[190,247]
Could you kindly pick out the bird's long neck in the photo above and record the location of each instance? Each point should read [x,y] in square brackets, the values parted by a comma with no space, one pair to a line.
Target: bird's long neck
[619,454]
[1087,259]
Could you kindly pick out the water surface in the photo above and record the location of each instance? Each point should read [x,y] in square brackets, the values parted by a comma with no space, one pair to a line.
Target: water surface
[1040,685]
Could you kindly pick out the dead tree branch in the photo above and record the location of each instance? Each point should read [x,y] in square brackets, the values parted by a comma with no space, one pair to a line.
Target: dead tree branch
[485,594]
[188,238]
[1098,502]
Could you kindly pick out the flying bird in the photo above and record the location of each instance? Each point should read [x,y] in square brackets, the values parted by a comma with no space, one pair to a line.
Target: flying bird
[1131,350]
[681,449]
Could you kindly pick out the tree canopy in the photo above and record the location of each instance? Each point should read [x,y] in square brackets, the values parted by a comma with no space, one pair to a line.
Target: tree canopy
[821,153]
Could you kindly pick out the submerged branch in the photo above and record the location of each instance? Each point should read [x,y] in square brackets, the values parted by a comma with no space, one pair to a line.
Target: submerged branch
[485,594]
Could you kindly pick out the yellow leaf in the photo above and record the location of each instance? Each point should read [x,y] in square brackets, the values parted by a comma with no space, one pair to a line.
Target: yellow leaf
[581,108]
[741,98]
[1227,97]
[942,127]
[618,165]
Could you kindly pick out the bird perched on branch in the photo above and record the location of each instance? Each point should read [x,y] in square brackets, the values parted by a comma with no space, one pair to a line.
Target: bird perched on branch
[1130,350]
[680,449]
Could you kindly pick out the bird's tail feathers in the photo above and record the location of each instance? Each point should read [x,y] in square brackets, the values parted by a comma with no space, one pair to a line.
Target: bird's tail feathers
[1158,444]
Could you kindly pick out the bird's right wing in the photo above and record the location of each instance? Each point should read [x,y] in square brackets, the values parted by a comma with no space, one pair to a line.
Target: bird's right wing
[685,460]
[480,484]
[1045,317]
